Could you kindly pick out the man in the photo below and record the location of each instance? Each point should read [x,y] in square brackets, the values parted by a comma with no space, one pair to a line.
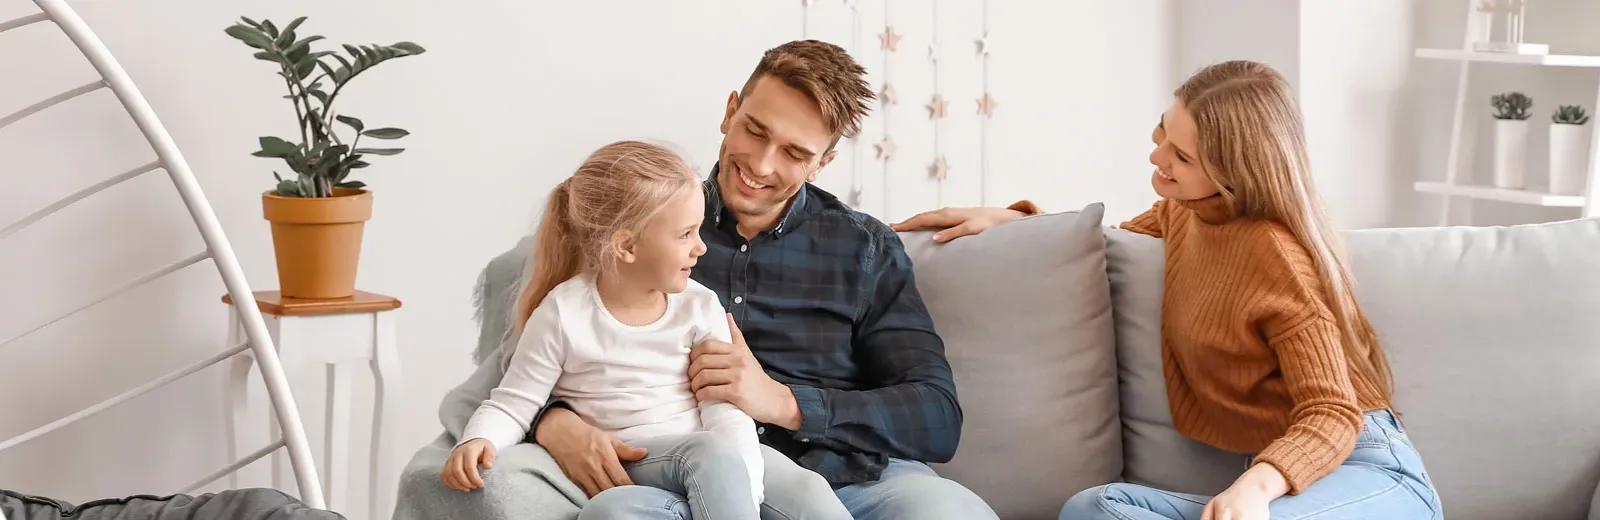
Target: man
[842,369]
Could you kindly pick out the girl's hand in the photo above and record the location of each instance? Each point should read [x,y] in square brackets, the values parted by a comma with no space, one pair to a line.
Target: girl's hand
[958,222]
[461,469]
[1248,497]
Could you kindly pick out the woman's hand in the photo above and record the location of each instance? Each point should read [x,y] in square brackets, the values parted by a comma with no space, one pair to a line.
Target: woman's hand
[589,457]
[461,469]
[958,222]
[1248,497]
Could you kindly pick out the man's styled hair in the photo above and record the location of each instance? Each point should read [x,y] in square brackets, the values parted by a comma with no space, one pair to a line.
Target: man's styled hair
[824,72]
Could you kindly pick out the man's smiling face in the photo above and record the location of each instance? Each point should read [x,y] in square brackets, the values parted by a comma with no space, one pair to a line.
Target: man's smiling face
[774,141]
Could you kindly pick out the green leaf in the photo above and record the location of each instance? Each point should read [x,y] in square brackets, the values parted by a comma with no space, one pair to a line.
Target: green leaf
[386,133]
[319,94]
[379,151]
[300,49]
[275,147]
[284,39]
[250,36]
[408,48]
[272,30]
[252,23]
[276,176]
[359,164]
[294,24]
[352,184]
[305,67]
[266,56]
[353,122]
[289,189]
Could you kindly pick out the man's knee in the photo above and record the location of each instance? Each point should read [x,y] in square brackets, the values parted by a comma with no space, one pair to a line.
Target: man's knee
[928,496]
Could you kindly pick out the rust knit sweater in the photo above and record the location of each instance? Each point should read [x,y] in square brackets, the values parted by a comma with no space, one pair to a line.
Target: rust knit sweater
[1250,350]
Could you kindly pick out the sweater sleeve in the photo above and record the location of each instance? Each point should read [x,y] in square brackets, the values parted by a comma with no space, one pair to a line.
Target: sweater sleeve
[1150,222]
[1326,417]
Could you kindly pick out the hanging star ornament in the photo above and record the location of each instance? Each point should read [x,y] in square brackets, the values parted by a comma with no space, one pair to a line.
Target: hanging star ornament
[941,169]
[933,52]
[886,148]
[983,45]
[855,196]
[937,107]
[889,95]
[889,40]
[986,105]
[851,4]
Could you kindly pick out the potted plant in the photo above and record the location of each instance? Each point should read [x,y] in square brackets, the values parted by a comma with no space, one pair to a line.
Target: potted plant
[1568,150]
[1511,138]
[318,213]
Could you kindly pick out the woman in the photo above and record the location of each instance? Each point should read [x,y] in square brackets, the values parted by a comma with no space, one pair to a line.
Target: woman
[1266,350]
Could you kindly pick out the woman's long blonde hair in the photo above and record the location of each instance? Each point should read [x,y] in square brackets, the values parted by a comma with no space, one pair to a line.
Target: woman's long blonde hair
[618,187]
[1250,131]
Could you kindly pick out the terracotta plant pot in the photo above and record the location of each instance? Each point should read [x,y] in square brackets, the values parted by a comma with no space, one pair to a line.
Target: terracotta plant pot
[317,241]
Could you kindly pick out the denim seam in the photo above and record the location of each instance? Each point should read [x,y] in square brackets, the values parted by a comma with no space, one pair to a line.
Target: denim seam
[1105,505]
[1354,500]
[688,478]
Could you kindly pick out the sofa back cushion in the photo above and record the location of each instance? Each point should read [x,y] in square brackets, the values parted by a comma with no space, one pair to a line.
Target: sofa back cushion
[1156,454]
[1494,337]
[1024,311]
[1493,334]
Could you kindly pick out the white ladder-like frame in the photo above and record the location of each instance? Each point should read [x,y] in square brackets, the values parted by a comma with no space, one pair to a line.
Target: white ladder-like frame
[259,342]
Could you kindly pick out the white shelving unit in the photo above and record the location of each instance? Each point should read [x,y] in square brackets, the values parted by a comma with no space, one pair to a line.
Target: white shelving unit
[1465,119]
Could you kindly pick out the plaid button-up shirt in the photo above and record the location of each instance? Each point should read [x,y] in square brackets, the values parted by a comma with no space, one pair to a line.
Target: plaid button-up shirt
[828,304]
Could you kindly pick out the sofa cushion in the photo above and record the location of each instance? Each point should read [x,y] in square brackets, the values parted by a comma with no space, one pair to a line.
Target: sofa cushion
[1025,313]
[1156,455]
[1494,337]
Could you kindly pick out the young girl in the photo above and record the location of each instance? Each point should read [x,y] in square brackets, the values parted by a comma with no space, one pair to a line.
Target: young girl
[606,323]
[1265,349]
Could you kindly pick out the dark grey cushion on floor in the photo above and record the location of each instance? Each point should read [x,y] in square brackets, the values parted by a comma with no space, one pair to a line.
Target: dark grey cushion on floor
[236,504]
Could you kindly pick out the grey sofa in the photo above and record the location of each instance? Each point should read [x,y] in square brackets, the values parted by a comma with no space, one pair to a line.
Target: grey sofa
[1052,324]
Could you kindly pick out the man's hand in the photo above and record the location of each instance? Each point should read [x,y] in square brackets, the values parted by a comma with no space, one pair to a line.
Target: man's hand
[461,469]
[729,372]
[592,459]
[958,222]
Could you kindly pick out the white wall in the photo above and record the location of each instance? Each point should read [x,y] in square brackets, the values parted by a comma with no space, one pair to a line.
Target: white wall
[509,98]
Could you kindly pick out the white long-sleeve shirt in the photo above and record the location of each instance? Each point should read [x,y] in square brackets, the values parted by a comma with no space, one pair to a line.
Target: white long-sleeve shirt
[629,381]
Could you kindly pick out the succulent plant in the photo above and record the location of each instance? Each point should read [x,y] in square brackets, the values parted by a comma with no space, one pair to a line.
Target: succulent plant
[321,160]
[1512,105]
[1570,115]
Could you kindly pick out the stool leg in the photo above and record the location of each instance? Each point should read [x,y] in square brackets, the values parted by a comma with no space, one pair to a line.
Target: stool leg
[236,398]
[336,445]
[386,394]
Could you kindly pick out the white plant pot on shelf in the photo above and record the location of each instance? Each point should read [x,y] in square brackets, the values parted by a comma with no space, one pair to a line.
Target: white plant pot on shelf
[1569,152]
[1510,152]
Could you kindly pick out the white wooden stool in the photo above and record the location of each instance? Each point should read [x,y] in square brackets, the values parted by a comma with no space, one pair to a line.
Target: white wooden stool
[341,334]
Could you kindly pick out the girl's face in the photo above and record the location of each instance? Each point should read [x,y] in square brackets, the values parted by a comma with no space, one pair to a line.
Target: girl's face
[1179,174]
[660,256]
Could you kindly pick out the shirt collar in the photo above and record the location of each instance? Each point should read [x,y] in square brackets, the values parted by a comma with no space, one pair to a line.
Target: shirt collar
[717,212]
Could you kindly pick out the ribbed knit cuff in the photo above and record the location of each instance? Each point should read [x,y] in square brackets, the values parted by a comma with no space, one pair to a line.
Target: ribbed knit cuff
[1300,466]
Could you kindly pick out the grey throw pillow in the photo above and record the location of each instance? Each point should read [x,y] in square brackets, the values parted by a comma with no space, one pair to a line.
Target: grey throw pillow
[1025,312]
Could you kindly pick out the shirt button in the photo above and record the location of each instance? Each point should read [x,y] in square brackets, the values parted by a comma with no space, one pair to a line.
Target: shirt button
[743,248]
[761,430]
[805,440]
[738,300]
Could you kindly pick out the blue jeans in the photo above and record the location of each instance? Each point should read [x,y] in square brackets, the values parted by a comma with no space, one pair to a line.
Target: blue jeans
[704,468]
[1383,478]
[907,489]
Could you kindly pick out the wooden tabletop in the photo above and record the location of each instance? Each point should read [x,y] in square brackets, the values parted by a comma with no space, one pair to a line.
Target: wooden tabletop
[272,302]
